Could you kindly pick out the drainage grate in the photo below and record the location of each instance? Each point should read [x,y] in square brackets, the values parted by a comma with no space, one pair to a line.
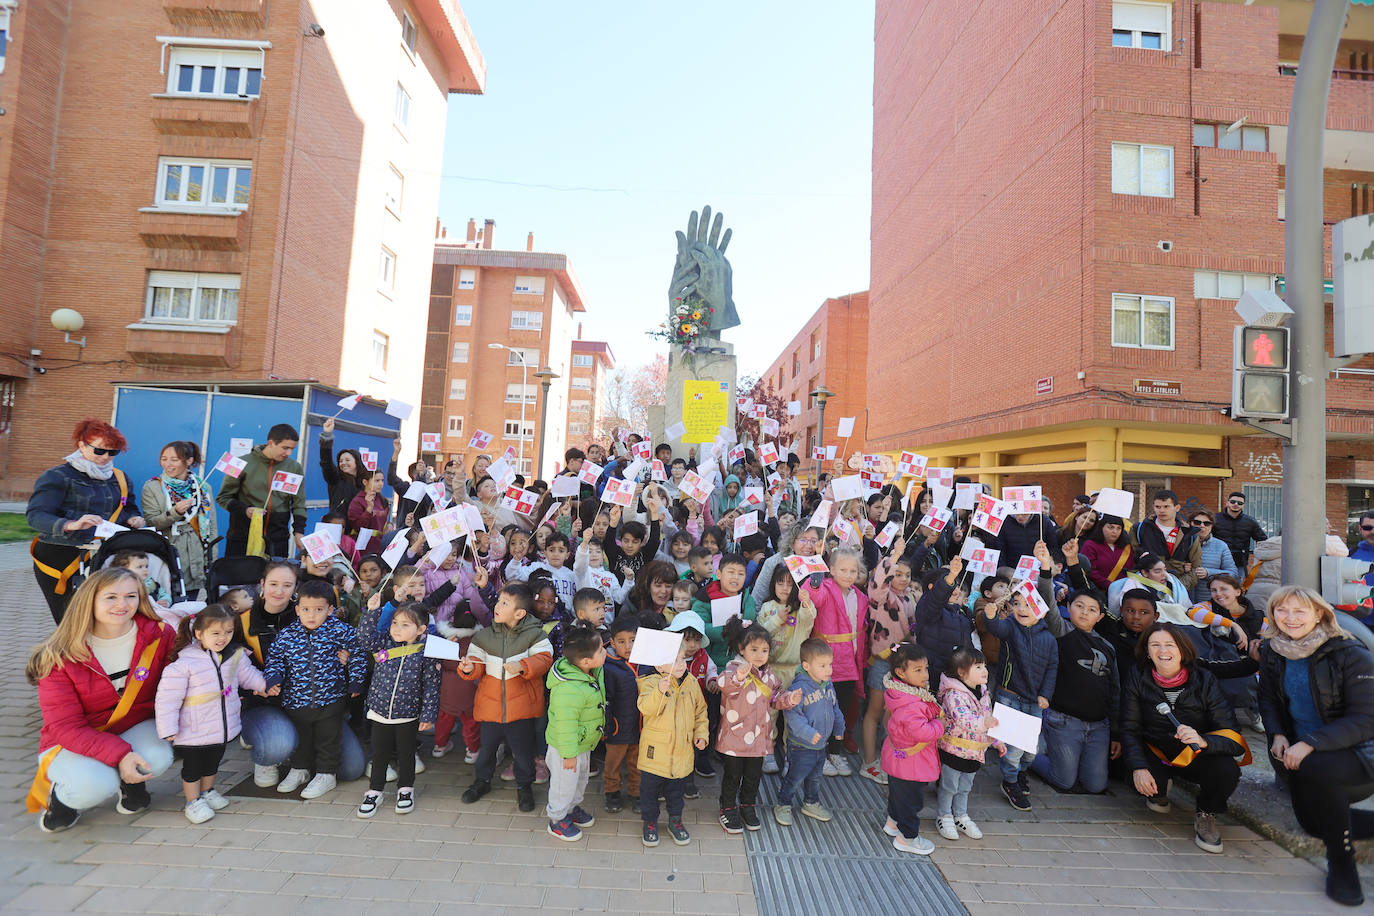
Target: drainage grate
[846,867]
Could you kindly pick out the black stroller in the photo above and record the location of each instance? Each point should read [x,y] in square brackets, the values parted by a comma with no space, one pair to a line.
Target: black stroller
[233,572]
[164,564]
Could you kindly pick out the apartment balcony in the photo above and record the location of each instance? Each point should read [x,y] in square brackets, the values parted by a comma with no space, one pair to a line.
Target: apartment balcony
[162,344]
[234,15]
[207,117]
[214,230]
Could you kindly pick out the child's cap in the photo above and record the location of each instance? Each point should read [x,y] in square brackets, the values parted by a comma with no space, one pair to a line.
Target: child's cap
[689,620]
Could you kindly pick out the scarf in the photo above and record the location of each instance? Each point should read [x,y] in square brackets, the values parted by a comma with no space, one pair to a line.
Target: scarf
[1169,683]
[892,682]
[1296,649]
[192,489]
[90,468]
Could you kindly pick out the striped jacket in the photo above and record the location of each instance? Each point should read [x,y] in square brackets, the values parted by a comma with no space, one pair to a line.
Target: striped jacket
[502,696]
[306,664]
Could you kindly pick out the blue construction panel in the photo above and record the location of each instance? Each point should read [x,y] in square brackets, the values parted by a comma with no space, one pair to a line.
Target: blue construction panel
[324,404]
[234,416]
[150,418]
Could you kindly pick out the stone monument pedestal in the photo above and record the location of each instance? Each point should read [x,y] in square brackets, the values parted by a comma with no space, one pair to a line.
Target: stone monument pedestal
[717,367]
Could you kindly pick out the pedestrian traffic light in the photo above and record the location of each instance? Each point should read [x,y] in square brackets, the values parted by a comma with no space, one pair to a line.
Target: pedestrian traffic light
[1259,385]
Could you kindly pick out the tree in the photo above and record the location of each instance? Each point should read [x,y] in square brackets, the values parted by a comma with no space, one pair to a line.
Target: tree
[628,395]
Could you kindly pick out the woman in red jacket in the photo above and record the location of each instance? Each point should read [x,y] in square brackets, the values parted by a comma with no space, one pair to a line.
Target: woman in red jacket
[97,679]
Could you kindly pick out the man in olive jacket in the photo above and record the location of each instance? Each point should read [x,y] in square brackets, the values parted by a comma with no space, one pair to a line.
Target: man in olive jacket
[251,493]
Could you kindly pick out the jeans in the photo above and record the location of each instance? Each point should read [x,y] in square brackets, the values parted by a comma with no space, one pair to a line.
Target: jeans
[1075,752]
[803,770]
[1016,761]
[566,787]
[740,783]
[398,741]
[273,738]
[905,799]
[650,785]
[84,782]
[951,798]
[519,737]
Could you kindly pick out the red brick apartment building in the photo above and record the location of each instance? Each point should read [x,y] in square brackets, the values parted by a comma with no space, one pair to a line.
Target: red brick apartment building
[831,349]
[1068,200]
[223,189]
[592,363]
[525,302]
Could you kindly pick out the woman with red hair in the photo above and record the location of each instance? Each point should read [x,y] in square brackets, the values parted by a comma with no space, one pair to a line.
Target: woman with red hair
[70,500]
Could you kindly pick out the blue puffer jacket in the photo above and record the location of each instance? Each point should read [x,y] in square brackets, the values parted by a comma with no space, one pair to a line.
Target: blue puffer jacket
[403,686]
[622,701]
[306,664]
[64,494]
[940,627]
[818,717]
[1030,658]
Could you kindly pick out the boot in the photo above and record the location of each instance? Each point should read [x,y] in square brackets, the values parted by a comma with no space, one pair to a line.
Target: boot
[1342,878]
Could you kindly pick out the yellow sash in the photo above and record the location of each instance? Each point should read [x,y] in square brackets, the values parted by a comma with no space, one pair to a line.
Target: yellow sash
[1186,756]
[969,743]
[41,787]
[398,652]
[228,672]
[1120,563]
[841,637]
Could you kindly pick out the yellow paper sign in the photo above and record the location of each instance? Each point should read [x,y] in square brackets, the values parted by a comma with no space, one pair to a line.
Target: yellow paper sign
[705,409]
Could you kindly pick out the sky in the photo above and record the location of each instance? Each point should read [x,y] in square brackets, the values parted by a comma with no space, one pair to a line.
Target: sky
[605,124]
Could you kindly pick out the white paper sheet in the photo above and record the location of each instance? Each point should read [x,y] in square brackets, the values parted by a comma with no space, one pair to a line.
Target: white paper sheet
[656,647]
[1114,502]
[396,548]
[722,609]
[851,487]
[845,429]
[965,494]
[240,447]
[566,485]
[107,529]
[398,409]
[676,431]
[438,647]
[1016,728]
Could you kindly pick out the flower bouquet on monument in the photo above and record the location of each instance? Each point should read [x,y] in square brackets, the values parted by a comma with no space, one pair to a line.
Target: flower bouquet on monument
[690,320]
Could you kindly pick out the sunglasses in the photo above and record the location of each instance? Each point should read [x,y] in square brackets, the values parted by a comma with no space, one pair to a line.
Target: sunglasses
[103,451]
[1236,502]
[1367,527]
[1204,524]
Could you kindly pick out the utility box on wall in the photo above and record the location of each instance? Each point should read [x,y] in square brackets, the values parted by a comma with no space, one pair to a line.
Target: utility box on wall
[1352,275]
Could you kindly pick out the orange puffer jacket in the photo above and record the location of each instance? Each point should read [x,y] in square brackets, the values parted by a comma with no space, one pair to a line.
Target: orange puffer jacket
[502,696]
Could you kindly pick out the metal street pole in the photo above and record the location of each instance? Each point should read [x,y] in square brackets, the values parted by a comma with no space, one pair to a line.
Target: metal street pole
[1304,457]
[821,394]
[546,377]
[524,381]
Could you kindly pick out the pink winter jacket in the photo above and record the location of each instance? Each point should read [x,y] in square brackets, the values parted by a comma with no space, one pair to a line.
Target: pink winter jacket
[849,643]
[746,725]
[965,733]
[889,612]
[198,696]
[912,732]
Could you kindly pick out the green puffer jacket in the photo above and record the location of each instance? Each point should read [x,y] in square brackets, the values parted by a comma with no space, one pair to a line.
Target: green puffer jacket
[577,709]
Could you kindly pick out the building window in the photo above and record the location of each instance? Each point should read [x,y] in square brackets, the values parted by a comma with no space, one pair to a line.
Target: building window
[467,279]
[1142,169]
[457,389]
[582,360]
[580,406]
[526,321]
[1255,139]
[529,286]
[401,114]
[513,393]
[577,429]
[512,430]
[206,183]
[460,351]
[410,35]
[514,355]
[582,384]
[796,363]
[1361,199]
[462,314]
[1213,284]
[381,352]
[4,41]
[219,73]
[386,271]
[455,425]
[812,386]
[185,297]
[395,189]
[1143,321]
[6,395]
[1142,25]
[815,345]
[780,379]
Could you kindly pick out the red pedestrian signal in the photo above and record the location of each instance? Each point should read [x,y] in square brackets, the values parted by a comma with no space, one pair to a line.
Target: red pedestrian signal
[1265,348]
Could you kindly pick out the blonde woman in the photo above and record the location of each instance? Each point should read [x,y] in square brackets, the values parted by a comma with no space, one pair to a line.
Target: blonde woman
[97,678]
[1316,695]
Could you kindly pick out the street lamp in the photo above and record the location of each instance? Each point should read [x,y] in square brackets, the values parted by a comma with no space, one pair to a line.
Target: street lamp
[821,394]
[546,377]
[524,378]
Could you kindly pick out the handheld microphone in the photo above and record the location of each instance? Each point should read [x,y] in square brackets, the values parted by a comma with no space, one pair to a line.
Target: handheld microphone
[1164,710]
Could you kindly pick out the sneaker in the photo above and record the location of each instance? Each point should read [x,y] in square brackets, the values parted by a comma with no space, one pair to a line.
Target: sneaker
[593,768]
[198,811]
[679,833]
[524,798]
[243,743]
[828,768]
[214,799]
[969,828]
[469,757]
[369,805]
[730,820]
[565,830]
[133,798]
[541,772]
[1159,804]
[475,791]
[293,780]
[919,846]
[816,810]
[770,765]
[946,827]
[581,817]
[441,749]
[1018,799]
[704,768]
[57,816]
[750,815]
[265,777]
[614,803]
[690,792]
[1206,834]
[508,774]
[391,774]
[874,772]
[890,828]
[783,815]
[1258,723]
[650,834]
[322,783]
[405,800]
[841,764]
[419,764]
[1023,781]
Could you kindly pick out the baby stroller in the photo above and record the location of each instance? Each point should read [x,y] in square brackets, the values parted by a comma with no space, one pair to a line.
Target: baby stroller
[233,572]
[164,564]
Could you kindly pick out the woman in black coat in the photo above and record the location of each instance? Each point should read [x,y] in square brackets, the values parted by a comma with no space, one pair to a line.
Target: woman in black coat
[1202,748]
[345,478]
[1316,694]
